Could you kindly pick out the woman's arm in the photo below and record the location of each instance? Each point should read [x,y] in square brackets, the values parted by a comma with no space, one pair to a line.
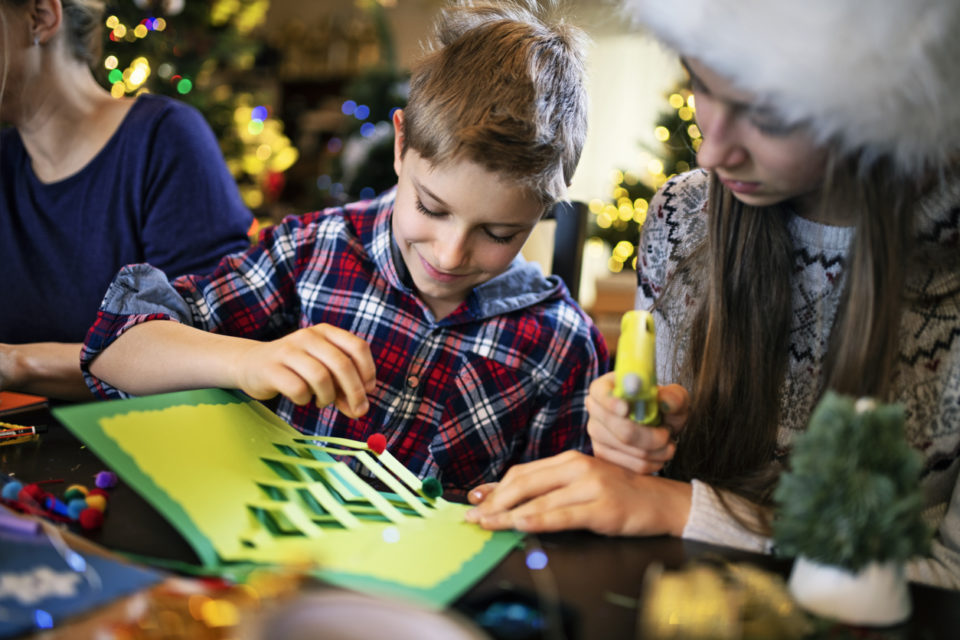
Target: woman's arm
[45,368]
[942,567]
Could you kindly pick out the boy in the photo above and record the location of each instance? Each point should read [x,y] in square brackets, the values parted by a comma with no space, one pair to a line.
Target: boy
[410,314]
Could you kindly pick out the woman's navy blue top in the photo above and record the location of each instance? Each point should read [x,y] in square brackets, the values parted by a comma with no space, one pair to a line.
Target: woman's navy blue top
[158,192]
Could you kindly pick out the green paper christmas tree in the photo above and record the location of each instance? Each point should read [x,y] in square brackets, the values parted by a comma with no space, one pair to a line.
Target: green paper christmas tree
[852,495]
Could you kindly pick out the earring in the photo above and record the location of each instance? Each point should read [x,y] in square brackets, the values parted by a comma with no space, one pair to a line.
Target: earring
[36,41]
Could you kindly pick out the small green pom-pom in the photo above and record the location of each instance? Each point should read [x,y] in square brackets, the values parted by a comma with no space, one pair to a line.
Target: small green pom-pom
[74,492]
[432,488]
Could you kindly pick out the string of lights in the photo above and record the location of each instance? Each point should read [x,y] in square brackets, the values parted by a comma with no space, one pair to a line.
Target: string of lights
[196,51]
[616,222]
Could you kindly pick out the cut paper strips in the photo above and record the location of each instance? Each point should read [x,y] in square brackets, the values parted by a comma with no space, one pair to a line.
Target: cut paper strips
[247,487]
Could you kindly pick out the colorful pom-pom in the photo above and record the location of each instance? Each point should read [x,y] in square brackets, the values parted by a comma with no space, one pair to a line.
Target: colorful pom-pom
[75,507]
[75,491]
[97,502]
[377,443]
[90,518]
[106,479]
[32,494]
[98,492]
[51,503]
[11,490]
[431,487]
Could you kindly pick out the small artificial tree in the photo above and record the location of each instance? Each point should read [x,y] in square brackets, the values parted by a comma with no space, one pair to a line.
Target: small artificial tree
[851,500]
[852,495]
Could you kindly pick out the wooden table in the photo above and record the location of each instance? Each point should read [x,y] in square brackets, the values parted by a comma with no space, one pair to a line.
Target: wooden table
[597,581]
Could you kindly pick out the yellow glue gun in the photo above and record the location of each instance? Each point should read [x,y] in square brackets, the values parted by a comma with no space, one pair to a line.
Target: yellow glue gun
[636,367]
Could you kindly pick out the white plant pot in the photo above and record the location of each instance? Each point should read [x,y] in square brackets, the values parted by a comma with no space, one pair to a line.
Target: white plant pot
[875,596]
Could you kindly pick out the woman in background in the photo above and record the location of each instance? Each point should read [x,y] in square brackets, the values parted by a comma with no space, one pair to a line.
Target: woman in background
[89,183]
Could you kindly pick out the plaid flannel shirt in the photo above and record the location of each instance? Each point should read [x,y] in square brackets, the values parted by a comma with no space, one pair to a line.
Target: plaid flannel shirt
[501,380]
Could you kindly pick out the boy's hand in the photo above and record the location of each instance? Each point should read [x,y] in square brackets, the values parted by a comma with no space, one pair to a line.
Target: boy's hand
[323,361]
[617,438]
[576,491]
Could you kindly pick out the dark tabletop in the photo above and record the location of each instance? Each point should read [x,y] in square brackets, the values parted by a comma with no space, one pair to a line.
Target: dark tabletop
[590,586]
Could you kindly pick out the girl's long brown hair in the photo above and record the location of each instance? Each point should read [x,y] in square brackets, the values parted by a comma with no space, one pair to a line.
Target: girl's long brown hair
[739,330]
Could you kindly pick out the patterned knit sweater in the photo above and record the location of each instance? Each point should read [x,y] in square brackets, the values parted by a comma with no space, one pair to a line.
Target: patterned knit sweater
[927,377]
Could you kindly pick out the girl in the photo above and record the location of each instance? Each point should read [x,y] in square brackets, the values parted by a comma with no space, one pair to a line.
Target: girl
[817,248]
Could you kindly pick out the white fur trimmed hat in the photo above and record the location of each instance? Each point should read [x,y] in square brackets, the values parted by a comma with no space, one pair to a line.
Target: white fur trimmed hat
[877,76]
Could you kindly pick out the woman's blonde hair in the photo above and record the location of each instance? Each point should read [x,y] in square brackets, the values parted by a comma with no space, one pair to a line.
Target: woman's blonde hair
[503,87]
[82,21]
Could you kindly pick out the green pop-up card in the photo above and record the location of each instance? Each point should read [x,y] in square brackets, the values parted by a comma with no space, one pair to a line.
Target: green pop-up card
[243,486]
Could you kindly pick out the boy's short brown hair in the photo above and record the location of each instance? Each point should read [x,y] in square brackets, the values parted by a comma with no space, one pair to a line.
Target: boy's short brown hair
[502,86]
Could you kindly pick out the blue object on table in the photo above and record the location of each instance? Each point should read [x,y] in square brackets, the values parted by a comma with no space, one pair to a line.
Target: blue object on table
[16,524]
[42,584]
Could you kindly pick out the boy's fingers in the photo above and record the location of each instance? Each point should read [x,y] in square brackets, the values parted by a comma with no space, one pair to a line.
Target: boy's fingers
[351,363]
[276,378]
[291,384]
[344,407]
[357,350]
[314,376]
[341,375]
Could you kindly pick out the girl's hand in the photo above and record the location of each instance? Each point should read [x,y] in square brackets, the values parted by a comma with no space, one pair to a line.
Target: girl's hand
[576,491]
[323,362]
[617,438]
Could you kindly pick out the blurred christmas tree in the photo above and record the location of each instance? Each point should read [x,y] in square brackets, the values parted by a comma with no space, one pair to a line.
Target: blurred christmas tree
[617,222]
[203,52]
[364,166]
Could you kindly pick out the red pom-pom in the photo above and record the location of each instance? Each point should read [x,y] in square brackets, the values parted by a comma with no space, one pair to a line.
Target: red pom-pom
[377,443]
[32,494]
[98,492]
[90,518]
